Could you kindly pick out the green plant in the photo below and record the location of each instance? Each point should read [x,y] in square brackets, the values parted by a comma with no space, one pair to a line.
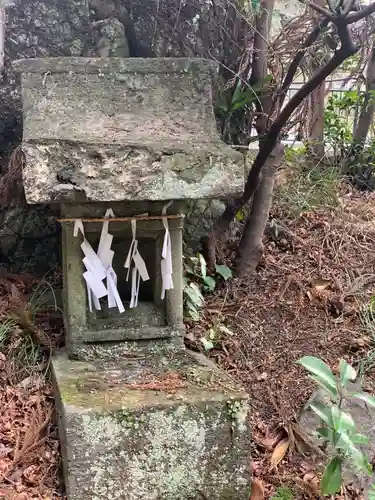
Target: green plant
[197,281]
[6,328]
[339,118]
[234,106]
[19,345]
[20,335]
[367,317]
[309,190]
[337,126]
[338,429]
[233,100]
[292,153]
[214,334]
[283,493]
[371,493]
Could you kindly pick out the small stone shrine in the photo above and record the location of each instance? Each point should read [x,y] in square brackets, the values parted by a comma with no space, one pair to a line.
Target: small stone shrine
[120,145]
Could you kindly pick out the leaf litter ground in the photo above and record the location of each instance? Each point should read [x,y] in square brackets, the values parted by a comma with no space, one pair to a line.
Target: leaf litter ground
[316,277]
[29,446]
[309,297]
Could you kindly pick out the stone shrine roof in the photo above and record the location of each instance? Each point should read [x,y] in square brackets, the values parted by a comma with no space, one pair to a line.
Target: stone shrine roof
[114,129]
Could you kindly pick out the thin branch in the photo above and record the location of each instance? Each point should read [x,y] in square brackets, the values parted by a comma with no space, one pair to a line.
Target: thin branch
[347,49]
[348,7]
[357,16]
[326,13]
[298,58]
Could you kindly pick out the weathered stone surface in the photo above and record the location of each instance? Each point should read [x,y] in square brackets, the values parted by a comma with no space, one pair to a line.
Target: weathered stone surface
[123,129]
[40,28]
[45,28]
[118,351]
[201,215]
[52,28]
[29,239]
[35,28]
[205,28]
[66,172]
[123,440]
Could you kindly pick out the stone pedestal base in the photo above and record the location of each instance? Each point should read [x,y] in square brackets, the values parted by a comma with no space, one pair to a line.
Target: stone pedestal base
[166,426]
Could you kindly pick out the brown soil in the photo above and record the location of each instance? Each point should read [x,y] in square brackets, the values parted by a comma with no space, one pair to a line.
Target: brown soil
[29,445]
[306,299]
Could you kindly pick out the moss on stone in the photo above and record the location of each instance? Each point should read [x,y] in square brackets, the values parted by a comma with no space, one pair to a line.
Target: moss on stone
[133,443]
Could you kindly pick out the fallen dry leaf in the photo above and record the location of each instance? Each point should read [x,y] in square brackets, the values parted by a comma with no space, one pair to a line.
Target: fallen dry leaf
[256,467]
[257,490]
[270,440]
[360,342]
[311,481]
[279,452]
[321,284]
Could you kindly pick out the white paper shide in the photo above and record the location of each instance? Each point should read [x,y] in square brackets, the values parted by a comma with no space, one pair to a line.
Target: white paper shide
[100,277]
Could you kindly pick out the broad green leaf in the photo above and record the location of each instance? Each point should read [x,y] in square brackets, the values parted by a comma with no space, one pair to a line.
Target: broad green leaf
[240,215]
[360,439]
[356,456]
[192,312]
[347,372]
[223,271]
[332,391]
[210,283]
[341,421]
[189,269]
[194,294]
[203,266]
[196,288]
[359,460]
[367,398]
[207,344]
[344,442]
[332,479]
[237,94]
[325,433]
[319,368]
[323,412]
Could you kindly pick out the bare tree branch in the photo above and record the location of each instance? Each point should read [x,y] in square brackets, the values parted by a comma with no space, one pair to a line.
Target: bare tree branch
[298,58]
[361,14]
[349,7]
[326,13]
[270,140]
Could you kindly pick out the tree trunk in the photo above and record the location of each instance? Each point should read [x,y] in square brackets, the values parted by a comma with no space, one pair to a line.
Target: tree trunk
[316,122]
[251,247]
[316,104]
[260,61]
[367,111]
[2,35]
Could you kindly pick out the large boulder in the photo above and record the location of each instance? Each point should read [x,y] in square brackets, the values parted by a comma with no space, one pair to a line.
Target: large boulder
[172,28]
[41,28]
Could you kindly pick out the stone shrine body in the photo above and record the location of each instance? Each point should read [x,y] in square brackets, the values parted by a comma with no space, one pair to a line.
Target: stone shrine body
[121,145]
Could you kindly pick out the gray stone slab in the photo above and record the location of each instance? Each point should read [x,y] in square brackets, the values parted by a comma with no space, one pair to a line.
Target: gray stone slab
[121,439]
[118,351]
[123,129]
